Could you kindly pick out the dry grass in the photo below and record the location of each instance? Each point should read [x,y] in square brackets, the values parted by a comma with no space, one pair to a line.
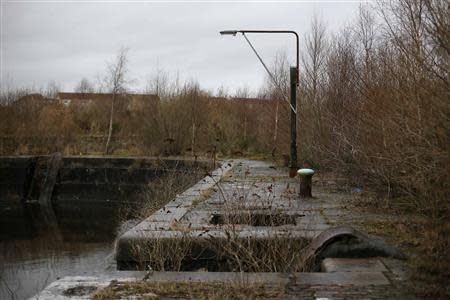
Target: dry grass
[169,182]
[428,252]
[278,251]
[425,243]
[191,290]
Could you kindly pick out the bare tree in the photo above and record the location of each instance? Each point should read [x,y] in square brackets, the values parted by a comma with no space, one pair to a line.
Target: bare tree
[314,58]
[243,93]
[84,86]
[193,101]
[52,89]
[115,81]
[277,88]
[222,92]
[366,32]
[313,79]
[159,84]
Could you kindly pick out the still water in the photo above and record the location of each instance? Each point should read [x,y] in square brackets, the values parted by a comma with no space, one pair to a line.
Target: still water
[30,260]
[24,276]
[93,200]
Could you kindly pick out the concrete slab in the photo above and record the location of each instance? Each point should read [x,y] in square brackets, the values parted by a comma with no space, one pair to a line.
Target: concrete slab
[342,278]
[352,265]
[248,187]
[83,287]
[222,277]
[79,288]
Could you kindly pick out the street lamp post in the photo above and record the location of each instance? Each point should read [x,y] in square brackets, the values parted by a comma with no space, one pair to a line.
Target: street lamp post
[294,82]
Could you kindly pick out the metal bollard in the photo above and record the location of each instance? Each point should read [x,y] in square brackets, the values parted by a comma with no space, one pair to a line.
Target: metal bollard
[305,182]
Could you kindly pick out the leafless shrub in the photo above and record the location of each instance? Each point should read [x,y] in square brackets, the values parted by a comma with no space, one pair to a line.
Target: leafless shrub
[372,104]
[115,81]
[162,253]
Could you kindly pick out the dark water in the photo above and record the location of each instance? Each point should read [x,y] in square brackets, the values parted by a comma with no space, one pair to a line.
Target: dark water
[93,200]
[24,276]
[32,258]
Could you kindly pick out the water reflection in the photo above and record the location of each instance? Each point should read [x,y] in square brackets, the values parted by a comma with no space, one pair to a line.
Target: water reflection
[24,275]
[32,258]
[75,235]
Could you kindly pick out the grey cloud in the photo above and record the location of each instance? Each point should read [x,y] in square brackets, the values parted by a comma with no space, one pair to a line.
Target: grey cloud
[67,41]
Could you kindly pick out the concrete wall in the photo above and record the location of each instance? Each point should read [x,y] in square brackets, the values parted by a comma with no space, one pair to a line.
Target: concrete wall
[85,192]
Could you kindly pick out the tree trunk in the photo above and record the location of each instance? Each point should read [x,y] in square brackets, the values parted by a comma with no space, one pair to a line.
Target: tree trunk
[110,124]
[193,140]
[245,128]
[275,131]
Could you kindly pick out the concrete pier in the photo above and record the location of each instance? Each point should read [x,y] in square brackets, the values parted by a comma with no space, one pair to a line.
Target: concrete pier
[252,201]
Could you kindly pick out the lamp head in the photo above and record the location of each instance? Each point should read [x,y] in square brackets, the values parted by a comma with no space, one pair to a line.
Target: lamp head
[229,32]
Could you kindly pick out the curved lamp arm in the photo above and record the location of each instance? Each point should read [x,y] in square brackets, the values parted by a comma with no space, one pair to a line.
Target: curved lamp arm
[234,32]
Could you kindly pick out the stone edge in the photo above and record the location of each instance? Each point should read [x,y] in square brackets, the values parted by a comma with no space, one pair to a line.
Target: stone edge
[163,219]
[56,289]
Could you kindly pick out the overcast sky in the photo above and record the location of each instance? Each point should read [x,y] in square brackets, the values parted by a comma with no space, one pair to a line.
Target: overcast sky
[44,41]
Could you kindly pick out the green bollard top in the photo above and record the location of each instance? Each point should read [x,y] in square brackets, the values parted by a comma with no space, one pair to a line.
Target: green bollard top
[305,172]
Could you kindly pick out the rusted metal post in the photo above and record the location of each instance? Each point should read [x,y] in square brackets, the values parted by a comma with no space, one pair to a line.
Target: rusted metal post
[305,182]
[293,161]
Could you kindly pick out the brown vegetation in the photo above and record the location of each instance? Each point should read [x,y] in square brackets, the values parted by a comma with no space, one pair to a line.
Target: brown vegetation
[373,106]
[373,103]
[189,290]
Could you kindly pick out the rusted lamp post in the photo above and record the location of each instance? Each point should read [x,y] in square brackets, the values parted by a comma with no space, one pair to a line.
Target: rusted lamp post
[294,78]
